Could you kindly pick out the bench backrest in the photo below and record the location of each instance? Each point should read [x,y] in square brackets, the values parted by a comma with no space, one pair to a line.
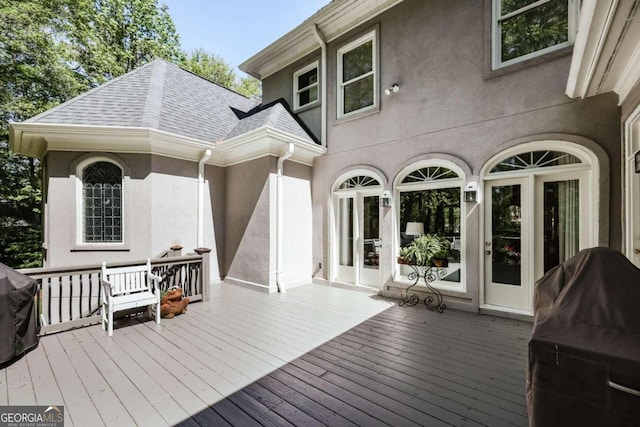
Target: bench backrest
[127,279]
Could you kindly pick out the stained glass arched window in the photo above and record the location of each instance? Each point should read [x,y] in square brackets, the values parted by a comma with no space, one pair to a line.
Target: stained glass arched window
[102,210]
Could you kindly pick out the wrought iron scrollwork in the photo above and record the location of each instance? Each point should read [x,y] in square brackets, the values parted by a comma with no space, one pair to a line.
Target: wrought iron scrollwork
[429,274]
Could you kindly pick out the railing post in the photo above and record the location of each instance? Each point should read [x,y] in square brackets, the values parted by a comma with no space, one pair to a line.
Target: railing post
[205,276]
[175,250]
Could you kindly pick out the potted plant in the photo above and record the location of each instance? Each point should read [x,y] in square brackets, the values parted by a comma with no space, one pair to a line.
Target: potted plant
[422,250]
[440,258]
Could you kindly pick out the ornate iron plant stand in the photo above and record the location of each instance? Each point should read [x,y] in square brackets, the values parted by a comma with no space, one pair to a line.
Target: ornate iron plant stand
[429,274]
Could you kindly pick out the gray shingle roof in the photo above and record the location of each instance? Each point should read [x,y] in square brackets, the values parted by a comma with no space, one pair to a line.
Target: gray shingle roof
[161,96]
[276,116]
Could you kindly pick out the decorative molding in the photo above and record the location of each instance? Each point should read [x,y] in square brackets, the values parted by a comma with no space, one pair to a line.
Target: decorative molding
[36,139]
[333,20]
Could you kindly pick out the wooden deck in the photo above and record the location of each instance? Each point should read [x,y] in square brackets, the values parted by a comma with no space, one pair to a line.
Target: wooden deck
[315,355]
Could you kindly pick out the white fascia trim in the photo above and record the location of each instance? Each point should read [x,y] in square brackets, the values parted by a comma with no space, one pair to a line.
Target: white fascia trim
[35,139]
[629,76]
[593,28]
[333,20]
[265,141]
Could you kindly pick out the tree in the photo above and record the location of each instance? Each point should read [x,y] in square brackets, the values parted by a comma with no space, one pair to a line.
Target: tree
[51,51]
[112,37]
[215,69]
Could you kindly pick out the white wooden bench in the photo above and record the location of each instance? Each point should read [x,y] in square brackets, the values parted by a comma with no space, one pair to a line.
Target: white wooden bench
[128,287]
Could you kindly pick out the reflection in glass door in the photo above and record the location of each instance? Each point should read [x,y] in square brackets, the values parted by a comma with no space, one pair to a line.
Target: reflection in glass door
[506,245]
[371,241]
[358,234]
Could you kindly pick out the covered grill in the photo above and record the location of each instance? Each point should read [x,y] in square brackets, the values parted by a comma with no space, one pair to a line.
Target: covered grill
[584,353]
[18,323]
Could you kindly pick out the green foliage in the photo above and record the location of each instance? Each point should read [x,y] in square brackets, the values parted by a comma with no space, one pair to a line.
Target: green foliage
[51,51]
[424,248]
[215,69]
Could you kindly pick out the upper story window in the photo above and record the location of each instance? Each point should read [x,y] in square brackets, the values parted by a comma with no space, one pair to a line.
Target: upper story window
[523,29]
[357,76]
[102,203]
[305,86]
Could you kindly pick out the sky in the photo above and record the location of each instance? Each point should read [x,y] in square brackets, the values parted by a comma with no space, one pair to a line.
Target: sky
[238,29]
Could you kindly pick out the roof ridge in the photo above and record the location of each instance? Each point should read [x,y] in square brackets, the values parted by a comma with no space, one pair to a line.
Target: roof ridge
[87,93]
[153,103]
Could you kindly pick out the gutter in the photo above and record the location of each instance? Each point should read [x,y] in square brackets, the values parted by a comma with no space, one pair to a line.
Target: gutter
[323,84]
[280,216]
[206,155]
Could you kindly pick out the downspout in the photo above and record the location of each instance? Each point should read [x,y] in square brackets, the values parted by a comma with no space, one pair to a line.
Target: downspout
[323,84]
[280,217]
[206,154]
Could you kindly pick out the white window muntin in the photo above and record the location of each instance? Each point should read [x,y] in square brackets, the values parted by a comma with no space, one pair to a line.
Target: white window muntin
[369,37]
[556,146]
[298,91]
[435,184]
[497,36]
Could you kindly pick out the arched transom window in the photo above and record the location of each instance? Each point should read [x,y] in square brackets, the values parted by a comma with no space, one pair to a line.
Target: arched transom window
[357,182]
[102,203]
[535,159]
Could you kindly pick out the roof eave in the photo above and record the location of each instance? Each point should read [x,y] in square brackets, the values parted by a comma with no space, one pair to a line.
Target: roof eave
[333,20]
[606,54]
[265,141]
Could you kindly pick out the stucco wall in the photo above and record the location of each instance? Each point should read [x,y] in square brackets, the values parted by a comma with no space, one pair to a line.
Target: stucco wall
[250,224]
[448,105]
[159,206]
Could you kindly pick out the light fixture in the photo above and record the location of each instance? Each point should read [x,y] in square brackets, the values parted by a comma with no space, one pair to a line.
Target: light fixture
[471,192]
[385,199]
[414,229]
[393,89]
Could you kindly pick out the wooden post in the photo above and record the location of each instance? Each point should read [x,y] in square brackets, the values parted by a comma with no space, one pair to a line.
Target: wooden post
[204,272]
[175,250]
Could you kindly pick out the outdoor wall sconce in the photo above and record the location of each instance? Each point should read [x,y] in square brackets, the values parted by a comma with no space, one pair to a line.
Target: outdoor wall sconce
[471,192]
[637,161]
[393,89]
[385,199]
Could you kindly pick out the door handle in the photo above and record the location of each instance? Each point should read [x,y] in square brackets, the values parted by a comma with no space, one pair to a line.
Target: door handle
[636,251]
[487,252]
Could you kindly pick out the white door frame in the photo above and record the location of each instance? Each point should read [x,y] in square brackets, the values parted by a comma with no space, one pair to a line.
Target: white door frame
[632,188]
[353,274]
[589,199]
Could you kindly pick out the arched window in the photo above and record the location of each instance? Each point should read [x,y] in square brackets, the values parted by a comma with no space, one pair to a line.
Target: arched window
[102,203]
[429,195]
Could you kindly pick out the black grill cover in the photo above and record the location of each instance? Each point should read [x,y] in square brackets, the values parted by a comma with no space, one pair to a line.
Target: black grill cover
[585,344]
[18,323]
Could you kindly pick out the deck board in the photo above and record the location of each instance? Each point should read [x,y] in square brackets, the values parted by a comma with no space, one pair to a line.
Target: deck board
[313,356]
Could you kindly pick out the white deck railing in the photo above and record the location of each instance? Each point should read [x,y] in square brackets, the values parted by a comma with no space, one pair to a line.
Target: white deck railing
[70,297]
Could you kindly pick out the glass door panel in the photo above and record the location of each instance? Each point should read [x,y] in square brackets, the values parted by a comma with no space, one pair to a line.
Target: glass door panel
[507,223]
[561,222]
[506,238]
[371,232]
[345,232]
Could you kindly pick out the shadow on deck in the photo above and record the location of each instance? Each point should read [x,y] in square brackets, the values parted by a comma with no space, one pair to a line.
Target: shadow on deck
[315,355]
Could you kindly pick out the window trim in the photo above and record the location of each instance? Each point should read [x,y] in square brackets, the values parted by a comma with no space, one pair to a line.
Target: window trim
[400,187]
[496,39]
[78,169]
[340,85]
[297,90]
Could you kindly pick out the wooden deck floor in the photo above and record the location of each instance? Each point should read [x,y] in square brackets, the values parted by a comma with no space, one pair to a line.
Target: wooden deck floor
[315,355]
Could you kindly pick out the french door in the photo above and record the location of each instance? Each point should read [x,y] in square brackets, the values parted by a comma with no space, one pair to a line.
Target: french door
[358,239]
[532,224]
